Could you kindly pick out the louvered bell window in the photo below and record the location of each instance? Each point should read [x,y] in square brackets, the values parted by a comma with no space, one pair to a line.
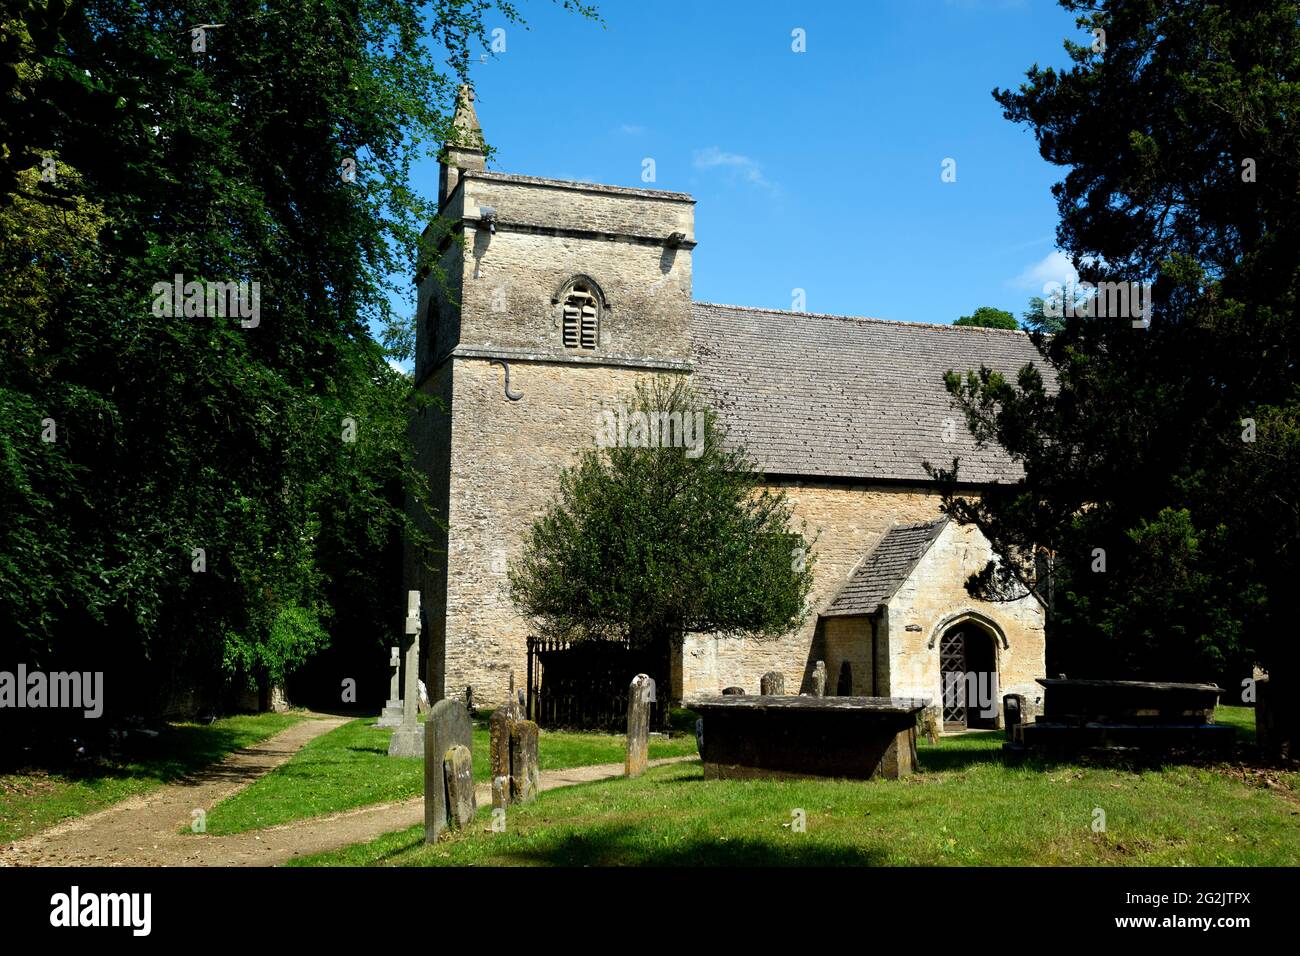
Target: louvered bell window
[581,319]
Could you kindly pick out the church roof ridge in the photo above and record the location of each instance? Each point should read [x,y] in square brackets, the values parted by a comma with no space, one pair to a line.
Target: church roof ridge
[855,318]
[579,184]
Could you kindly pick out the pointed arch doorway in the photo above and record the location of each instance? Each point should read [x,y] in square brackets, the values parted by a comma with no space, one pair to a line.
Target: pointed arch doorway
[968,664]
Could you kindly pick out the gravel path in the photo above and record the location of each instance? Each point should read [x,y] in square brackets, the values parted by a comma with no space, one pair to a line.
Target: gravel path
[146,830]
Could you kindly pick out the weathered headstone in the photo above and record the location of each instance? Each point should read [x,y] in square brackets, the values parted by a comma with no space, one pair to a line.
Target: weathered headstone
[448,726]
[469,699]
[772,684]
[733,692]
[391,715]
[525,778]
[408,739]
[501,792]
[499,726]
[699,734]
[844,687]
[638,725]
[458,771]
[523,702]
[819,679]
[424,698]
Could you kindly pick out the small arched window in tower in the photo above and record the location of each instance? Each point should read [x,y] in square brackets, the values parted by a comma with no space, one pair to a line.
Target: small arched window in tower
[581,317]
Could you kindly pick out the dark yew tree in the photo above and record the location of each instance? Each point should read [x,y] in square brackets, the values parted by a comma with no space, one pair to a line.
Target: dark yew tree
[1159,511]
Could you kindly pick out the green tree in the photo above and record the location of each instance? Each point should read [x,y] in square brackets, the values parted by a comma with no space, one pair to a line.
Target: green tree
[214,501]
[1156,449]
[987,317]
[649,541]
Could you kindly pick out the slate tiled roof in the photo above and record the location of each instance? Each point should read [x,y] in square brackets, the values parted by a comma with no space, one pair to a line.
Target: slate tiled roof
[877,578]
[833,396]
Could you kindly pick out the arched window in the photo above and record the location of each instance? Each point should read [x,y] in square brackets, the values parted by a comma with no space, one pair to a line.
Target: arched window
[580,316]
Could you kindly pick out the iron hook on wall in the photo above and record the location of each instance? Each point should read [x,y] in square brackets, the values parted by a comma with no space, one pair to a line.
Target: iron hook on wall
[510,396]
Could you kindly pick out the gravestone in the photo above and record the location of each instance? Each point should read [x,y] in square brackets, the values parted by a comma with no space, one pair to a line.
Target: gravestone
[699,734]
[819,679]
[525,778]
[448,726]
[500,792]
[772,684]
[391,715]
[844,688]
[424,698]
[639,695]
[408,739]
[458,771]
[469,699]
[499,726]
[733,691]
[512,701]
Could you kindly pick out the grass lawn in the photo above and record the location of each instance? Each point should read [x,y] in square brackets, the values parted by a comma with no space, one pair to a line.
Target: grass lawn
[350,767]
[965,808]
[33,800]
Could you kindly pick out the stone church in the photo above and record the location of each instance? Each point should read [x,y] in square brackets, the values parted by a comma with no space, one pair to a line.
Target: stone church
[561,295]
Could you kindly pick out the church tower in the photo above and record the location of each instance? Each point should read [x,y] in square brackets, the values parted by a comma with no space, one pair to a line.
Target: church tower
[541,303]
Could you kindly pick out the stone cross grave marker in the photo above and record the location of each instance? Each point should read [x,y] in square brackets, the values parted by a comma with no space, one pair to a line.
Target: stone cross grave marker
[391,715]
[448,726]
[640,694]
[408,739]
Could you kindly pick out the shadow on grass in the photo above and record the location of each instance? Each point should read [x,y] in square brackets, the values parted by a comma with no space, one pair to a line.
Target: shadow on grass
[625,846]
[173,755]
[939,759]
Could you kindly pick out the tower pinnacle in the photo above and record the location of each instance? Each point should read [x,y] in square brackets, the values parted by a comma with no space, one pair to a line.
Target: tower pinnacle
[464,147]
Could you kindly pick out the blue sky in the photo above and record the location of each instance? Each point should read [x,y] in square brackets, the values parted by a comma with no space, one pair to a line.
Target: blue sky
[818,170]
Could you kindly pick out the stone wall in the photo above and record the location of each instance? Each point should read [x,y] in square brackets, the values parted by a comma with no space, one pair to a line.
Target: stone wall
[505,466]
[847,523]
[431,434]
[844,522]
[548,233]
[848,639]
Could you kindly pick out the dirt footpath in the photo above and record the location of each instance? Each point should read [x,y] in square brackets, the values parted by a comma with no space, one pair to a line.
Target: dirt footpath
[147,830]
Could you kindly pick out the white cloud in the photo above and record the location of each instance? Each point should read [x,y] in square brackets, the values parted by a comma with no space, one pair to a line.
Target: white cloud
[400,366]
[631,129]
[1055,267]
[742,167]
